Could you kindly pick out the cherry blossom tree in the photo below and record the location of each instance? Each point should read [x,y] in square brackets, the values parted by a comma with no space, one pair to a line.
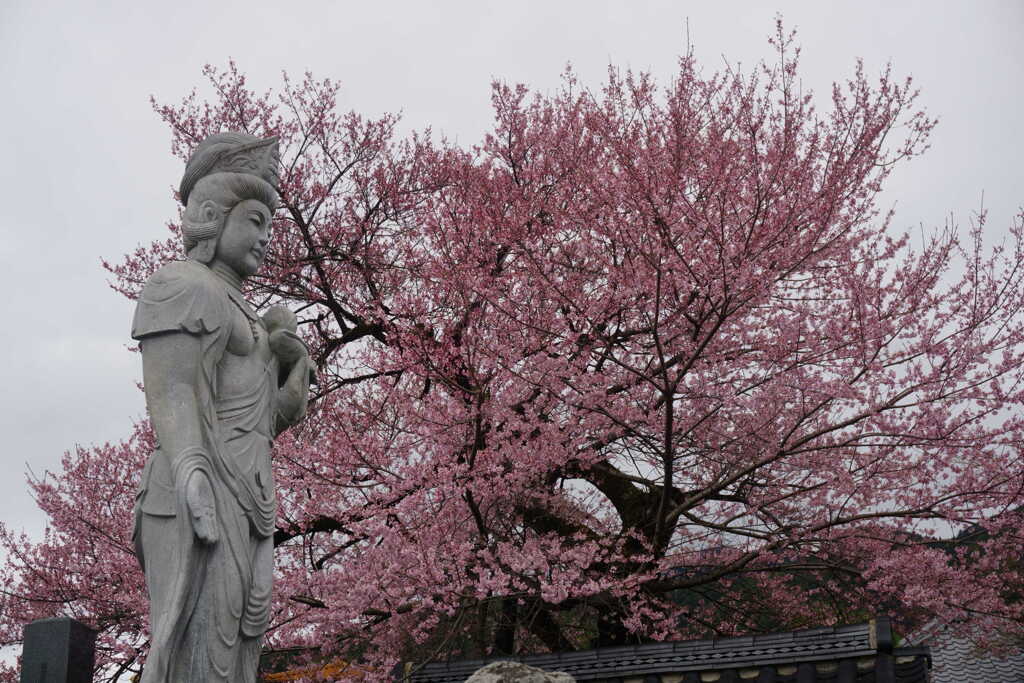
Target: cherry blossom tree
[646,363]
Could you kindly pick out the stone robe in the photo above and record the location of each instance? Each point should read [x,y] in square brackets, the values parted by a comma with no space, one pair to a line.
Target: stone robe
[210,604]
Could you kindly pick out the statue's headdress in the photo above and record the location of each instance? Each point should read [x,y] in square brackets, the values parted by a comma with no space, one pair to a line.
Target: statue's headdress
[231,153]
[224,169]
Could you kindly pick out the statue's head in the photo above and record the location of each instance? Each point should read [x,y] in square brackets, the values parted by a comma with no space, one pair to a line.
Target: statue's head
[224,170]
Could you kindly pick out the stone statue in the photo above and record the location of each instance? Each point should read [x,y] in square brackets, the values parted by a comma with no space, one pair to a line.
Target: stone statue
[221,383]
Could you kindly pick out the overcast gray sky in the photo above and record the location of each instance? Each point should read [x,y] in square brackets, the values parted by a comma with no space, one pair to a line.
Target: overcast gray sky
[87,173]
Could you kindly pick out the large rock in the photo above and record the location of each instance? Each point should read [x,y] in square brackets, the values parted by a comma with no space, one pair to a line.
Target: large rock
[514,672]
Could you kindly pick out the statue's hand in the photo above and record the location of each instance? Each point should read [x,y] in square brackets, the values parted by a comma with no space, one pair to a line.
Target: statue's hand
[288,347]
[199,496]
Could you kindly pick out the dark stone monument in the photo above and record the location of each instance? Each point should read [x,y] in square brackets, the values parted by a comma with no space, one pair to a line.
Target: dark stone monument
[58,650]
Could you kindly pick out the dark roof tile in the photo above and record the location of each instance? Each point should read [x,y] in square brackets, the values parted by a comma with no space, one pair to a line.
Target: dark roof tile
[955,658]
[842,654]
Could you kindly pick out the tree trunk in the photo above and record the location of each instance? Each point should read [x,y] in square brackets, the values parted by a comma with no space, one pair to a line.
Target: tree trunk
[610,631]
[505,633]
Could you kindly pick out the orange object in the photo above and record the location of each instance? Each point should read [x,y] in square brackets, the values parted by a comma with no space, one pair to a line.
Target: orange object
[336,671]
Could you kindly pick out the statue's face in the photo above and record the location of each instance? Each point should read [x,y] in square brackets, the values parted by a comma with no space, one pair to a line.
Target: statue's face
[243,241]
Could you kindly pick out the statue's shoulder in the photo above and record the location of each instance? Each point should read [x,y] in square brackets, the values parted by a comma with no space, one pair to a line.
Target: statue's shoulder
[182,296]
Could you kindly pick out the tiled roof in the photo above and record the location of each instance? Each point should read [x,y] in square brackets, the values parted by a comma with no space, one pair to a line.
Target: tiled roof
[860,653]
[955,659]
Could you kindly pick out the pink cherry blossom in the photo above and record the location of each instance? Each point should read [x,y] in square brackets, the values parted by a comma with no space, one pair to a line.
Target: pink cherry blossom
[647,362]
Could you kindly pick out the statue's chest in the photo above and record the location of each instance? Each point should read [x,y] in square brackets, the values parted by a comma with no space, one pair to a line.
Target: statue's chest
[247,358]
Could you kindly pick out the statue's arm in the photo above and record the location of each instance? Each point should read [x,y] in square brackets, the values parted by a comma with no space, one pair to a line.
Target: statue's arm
[171,372]
[293,395]
[298,371]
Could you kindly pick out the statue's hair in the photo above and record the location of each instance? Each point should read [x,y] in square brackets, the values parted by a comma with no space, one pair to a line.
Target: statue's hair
[231,152]
[209,203]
